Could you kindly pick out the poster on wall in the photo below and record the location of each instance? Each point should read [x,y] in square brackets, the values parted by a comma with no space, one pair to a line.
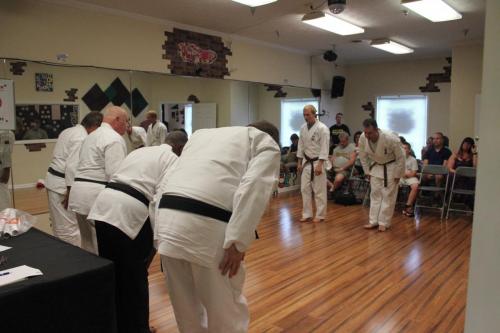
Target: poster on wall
[44,121]
[44,82]
[7,116]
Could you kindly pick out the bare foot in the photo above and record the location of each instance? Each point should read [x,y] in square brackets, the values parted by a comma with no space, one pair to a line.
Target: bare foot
[316,220]
[370,226]
[382,228]
[305,219]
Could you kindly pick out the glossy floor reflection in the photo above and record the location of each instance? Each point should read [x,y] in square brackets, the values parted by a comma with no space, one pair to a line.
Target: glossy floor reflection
[338,277]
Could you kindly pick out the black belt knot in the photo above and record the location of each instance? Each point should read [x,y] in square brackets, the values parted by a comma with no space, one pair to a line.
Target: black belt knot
[311,161]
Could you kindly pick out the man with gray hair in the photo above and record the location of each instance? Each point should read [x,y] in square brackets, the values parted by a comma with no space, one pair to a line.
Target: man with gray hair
[383,162]
[100,156]
[312,153]
[124,231]
[61,173]
[204,225]
[343,158]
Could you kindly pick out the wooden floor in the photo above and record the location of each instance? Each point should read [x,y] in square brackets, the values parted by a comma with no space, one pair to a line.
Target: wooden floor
[338,277]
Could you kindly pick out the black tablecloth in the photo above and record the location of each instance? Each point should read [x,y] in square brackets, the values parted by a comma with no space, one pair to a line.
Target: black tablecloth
[75,293]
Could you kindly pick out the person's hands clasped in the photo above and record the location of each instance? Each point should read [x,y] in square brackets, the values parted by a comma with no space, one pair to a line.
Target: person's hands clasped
[318,169]
[231,262]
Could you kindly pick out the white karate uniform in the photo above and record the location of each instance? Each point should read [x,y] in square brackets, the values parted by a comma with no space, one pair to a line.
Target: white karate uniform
[100,156]
[233,168]
[144,170]
[313,142]
[7,139]
[382,199]
[156,134]
[68,145]
[136,139]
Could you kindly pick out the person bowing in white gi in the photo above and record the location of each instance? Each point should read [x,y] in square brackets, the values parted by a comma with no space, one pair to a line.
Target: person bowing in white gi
[312,153]
[136,137]
[100,156]
[212,202]
[383,162]
[68,145]
[124,232]
[157,131]
[7,139]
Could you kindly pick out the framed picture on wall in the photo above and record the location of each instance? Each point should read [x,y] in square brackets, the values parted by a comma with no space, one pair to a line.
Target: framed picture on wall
[38,122]
[44,82]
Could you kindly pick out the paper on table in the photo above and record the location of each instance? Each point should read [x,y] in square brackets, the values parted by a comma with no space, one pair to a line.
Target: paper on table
[17,274]
[4,248]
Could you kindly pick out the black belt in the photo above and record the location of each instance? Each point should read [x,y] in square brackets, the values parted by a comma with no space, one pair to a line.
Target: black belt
[311,161]
[385,169]
[56,173]
[194,206]
[127,189]
[91,181]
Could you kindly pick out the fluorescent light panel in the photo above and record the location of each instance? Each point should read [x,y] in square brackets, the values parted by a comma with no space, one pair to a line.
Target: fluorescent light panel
[255,3]
[434,10]
[392,47]
[333,24]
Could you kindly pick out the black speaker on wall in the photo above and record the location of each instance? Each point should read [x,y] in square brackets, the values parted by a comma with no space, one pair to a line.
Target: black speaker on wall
[338,83]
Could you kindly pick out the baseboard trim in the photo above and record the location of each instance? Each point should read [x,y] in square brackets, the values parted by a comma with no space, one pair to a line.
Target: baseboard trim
[21,186]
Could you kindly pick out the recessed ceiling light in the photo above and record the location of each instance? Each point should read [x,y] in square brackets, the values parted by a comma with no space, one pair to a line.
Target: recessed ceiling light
[331,23]
[434,10]
[255,3]
[390,46]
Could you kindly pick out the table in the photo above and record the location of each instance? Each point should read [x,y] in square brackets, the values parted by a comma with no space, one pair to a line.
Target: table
[75,294]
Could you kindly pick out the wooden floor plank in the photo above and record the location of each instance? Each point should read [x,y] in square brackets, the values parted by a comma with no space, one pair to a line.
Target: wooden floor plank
[338,277]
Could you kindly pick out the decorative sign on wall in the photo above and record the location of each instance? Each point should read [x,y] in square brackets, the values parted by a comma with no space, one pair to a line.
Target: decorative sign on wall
[7,104]
[44,82]
[96,99]
[44,121]
[17,67]
[434,78]
[195,54]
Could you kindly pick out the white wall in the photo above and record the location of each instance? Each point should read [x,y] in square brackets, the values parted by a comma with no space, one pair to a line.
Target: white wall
[38,30]
[483,294]
[365,82]
[465,85]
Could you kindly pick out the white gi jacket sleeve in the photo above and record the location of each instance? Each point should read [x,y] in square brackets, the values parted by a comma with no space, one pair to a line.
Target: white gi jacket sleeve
[399,165]
[253,193]
[324,143]
[114,154]
[363,145]
[72,161]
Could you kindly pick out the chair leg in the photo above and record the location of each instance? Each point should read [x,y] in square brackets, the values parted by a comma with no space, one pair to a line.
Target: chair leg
[449,205]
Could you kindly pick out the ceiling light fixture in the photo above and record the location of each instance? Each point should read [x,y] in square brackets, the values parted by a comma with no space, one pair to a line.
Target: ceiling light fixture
[434,10]
[331,23]
[390,46]
[255,3]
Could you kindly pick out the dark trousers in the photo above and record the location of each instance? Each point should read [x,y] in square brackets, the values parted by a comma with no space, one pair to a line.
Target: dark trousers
[131,258]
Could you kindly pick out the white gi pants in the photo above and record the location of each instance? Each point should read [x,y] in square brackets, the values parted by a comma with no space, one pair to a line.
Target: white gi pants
[5,199]
[382,200]
[87,233]
[203,299]
[64,223]
[318,187]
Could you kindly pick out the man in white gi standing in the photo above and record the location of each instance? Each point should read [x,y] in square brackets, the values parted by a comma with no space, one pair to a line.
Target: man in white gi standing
[157,131]
[68,145]
[312,153]
[7,139]
[100,156]
[124,232]
[383,162]
[212,202]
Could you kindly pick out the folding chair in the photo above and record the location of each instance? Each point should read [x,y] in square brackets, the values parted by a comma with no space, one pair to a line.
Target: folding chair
[461,173]
[434,170]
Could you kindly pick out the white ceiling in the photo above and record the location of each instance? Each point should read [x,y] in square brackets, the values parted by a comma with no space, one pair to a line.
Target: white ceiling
[380,18]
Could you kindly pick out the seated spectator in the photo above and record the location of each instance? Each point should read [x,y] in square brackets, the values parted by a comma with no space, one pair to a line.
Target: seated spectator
[466,156]
[290,159]
[343,158]
[438,154]
[410,179]
[428,146]
[403,141]
[357,164]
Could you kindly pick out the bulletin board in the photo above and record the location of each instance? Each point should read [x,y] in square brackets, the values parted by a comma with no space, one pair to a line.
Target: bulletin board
[7,115]
[53,118]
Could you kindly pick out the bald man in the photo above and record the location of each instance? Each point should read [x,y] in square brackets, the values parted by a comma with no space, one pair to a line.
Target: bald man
[312,153]
[100,156]
[157,131]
